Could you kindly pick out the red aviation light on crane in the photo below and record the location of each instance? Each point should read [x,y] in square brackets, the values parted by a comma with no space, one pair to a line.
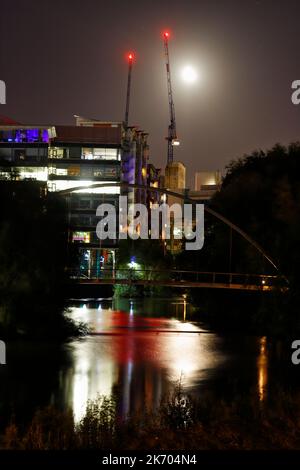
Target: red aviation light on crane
[130,57]
[166,34]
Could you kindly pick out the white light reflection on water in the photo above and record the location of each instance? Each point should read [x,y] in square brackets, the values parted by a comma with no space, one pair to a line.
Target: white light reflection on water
[141,355]
[92,376]
[262,366]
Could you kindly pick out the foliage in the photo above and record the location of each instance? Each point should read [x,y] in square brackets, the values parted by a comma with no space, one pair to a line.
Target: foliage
[177,411]
[181,422]
[97,428]
[260,194]
[149,256]
[33,256]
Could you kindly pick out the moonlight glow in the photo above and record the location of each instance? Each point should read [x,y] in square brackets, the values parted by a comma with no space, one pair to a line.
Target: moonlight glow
[189,74]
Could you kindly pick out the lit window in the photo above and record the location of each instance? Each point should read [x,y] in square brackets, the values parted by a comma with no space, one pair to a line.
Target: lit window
[98,173]
[74,171]
[87,154]
[61,171]
[5,175]
[82,237]
[61,185]
[99,154]
[58,152]
[32,173]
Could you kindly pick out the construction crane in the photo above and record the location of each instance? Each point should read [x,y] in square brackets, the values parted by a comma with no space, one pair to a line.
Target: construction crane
[130,61]
[172,133]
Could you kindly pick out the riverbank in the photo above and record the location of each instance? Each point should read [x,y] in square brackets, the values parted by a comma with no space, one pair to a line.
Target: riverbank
[58,328]
[181,422]
[247,312]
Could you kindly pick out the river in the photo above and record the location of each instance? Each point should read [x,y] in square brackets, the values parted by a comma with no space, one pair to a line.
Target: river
[140,348]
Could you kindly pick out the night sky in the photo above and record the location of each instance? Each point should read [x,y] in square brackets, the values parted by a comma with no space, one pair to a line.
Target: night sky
[60,58]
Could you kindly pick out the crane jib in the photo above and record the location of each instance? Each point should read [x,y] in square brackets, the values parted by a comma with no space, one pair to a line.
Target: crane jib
[172,134]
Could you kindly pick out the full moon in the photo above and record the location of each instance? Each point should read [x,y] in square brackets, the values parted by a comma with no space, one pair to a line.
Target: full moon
[189,74]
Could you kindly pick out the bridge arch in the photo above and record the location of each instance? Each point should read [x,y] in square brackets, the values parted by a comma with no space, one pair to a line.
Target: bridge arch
[168,192]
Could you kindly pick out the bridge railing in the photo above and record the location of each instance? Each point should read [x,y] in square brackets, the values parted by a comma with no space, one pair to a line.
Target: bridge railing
[175,275]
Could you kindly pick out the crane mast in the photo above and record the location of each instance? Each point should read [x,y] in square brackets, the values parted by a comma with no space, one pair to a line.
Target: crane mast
[130,60]
[172,134]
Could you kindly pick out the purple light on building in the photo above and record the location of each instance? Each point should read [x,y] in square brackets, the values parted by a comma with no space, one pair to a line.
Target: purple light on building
[18,136]
[32,135]
[45,136]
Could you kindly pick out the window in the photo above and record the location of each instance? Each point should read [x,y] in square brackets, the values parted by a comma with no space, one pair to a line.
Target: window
[84,220]
[53,170]
[98,173]
[61,171]
[94,221]
[5,174]
[87,154]
[105,154]
[84,203]
[58,152]
[110,172]
[99,154]
[32,173]
[96,203]
[82,237]
[74,171]
[60,185]
[105,171]
[5,153]
[20,155]
[86,172]
[80,220]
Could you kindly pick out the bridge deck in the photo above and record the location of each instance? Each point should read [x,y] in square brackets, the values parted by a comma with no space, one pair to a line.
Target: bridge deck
[187,284]
[182,279]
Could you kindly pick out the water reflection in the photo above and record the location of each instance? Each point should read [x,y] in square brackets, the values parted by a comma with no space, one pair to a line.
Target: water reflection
[139,348]
[142,356]
[262,366]
[90,376]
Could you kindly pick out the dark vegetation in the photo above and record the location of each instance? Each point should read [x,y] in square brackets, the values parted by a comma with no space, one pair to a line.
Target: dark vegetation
[261,194]
[149,256]
[33,257]
[181,422]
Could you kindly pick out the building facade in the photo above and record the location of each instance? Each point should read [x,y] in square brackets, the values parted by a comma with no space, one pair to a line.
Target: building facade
[64,158]
[206,184]
[175,176]
[84,156]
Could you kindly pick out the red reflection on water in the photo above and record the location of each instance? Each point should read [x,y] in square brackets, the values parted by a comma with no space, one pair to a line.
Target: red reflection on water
[136,339]
[119,319]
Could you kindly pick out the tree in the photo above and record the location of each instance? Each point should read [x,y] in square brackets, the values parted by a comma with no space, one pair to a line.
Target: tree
[147,256]
[261,194]
[33,257]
